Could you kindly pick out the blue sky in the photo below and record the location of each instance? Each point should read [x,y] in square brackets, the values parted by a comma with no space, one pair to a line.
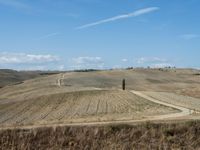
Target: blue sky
[75,34]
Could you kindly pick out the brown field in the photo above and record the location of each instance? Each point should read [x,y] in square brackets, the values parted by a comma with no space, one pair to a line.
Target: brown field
[44,112]
[180,100]
[95,96]
[181,81]
[83,106]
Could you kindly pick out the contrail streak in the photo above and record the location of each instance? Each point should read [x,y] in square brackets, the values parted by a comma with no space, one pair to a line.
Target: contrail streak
[119,17]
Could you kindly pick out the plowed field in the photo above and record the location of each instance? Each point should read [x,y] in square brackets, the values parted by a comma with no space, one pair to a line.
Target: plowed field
[82,106]
[179,100]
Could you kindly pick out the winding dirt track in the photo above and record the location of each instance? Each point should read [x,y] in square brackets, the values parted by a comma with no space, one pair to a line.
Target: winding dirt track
[59,81]
[184,111]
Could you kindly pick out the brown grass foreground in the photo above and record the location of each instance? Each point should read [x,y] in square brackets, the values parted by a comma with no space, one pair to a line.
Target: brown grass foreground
[143,136]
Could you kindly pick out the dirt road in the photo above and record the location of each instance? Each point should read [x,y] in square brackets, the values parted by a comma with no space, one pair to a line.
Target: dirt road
[97,123]
[184,111]
[90,105]
[59,80]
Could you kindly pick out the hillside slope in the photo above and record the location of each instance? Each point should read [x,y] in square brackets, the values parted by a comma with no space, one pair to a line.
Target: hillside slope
[180,81]
[83,106]
[10,77]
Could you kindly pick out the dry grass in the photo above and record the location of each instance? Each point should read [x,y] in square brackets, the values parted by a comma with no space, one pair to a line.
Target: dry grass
[144,136]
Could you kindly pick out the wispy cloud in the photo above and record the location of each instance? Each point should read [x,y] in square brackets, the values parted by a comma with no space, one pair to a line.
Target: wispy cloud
[162,65]
[148,60]
[22,58]
[72,15]
[87,63]
[14,3]
[124,60]
[189,36]
[27,61]
[119,17]
[154,62]
[48,35]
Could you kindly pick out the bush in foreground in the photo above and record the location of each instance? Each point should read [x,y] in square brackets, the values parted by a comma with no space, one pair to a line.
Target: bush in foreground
[143,136]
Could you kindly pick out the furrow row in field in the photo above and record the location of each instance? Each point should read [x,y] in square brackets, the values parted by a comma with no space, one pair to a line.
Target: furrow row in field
[66,107]
[73,107]
[184,101]
[56,108]
[88,106]
[62,106]
[15,113]
[102,106]
[120,104]
[31,116]
[113,105]
[93,105]
[26,113]
[128,106]
[6,108]
[35,116]
[80,110]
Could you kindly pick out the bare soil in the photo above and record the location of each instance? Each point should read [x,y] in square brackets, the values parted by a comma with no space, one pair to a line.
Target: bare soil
[83,106]
[62,111]
[81,97]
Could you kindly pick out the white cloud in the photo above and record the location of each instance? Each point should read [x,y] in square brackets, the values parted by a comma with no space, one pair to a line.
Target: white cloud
[61,67]
[22,58]
[144,60]
[154,62]
[35,68]
[119,17]
[162,65]
[189,36]
[73,15]
[117,67]
[124,60]
[23,61]
[87,63]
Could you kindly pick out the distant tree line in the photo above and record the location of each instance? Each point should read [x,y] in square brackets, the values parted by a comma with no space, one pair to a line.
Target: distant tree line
[86,70]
